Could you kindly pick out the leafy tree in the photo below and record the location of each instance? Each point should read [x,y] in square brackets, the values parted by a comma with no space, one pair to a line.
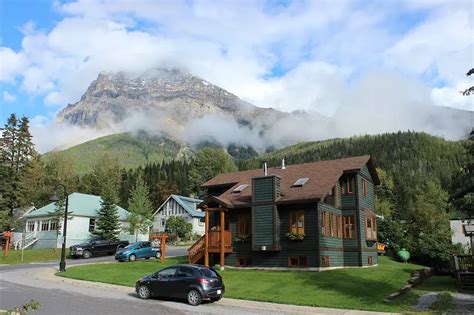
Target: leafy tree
[140,207]
[108,224]
[208,163]
[463,192]
[178,226]
[384,198]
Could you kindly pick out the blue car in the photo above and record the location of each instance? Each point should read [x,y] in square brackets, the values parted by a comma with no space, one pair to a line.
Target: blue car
[136,251]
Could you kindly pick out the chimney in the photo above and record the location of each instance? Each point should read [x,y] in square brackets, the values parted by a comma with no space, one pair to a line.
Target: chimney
[283,164]
[265,168]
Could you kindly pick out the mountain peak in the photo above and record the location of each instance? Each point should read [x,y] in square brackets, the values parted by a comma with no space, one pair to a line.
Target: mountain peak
[114,96]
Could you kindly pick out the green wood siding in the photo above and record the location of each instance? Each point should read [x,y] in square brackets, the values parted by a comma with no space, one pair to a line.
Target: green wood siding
[263,189]
[262,225]
[366,202]
[306,247]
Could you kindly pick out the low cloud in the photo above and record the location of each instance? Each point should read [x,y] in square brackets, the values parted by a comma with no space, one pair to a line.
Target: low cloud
[8,97]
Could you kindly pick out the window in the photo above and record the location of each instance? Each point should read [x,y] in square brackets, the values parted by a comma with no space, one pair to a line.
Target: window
[297,221]
[145,245]
[349,227]
[167,273]
[370,260]
[297,261]
[365,187]
[300,182]
[44,225]
[53,225]
[200,222]
[325,261]
[324,227]
[240,188]
[348,186]
[185,272]
[244,223]
[163,222]
[331,224]
[91,225]
[339,226]
[30,226]
[243,261]
[371,228]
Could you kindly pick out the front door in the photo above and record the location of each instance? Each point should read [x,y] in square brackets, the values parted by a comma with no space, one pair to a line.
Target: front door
[161,284]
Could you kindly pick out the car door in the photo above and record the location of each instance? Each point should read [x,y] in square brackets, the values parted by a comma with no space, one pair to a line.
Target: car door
[146,250]
[140,251]
[181,282]
[160,284]
[99,246]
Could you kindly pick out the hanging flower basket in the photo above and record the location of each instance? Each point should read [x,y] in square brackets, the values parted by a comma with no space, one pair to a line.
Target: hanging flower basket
[242,238]
[295,236]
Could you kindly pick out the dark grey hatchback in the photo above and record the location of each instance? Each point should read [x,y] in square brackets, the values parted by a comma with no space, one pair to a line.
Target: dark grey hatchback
[191,282]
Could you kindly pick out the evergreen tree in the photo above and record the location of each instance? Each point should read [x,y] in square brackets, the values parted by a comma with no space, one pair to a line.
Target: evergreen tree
[108,223]
[140,217]
[208,163]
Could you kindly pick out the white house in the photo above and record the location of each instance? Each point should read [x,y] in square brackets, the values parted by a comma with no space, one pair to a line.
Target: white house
[183,207]
[461,229]
[41,227]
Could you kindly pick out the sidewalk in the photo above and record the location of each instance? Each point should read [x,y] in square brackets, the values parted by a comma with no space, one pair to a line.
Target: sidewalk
[233,305]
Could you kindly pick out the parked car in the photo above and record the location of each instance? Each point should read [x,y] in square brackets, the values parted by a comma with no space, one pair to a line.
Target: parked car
[138,250]
[96,246]
[191,282]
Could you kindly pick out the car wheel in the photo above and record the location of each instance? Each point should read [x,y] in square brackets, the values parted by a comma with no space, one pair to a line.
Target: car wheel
[132,257]
[216,299]
[194,297]
[147,258]
[86,254]
[144,292]
[158,255]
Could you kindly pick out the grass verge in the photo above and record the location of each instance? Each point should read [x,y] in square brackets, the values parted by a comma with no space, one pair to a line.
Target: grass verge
[31,255]
[357,288]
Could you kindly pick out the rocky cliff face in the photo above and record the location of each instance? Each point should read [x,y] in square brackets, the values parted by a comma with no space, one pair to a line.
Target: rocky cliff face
[180,97]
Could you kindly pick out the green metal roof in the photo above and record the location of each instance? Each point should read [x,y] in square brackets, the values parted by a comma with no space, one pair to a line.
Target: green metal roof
[79,205]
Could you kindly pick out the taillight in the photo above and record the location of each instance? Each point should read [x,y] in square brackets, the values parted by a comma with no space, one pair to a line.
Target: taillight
[203,280]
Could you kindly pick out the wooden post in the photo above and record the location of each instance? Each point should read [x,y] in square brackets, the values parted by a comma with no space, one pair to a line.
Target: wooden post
[163,247]
[206,238]
[7,235]
[222,226]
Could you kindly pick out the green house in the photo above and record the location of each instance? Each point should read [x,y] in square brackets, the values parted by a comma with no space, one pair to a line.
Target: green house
[314,216]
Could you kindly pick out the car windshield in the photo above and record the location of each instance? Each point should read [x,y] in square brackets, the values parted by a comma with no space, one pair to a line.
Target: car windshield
[132,246]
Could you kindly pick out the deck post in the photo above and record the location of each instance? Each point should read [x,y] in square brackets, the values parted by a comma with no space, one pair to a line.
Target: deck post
[206,237]
[222,226]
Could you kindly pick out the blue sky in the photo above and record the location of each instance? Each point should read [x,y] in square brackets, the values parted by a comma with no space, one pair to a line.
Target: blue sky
[290,55]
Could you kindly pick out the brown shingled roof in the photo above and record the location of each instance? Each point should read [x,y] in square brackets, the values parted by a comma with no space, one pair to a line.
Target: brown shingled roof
[322,177]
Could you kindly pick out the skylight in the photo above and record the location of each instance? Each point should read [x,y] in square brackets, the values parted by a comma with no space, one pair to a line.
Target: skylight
[240,188]
[300,182]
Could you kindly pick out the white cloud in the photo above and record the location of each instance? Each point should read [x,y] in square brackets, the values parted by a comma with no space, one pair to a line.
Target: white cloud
[8,97]
[11,64]
[325,48]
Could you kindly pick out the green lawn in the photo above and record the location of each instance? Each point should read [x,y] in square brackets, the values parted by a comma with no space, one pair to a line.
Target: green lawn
[30,255]
[356,288]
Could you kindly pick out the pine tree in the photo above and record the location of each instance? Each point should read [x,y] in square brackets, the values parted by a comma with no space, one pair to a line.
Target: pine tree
[140,207]
[108,224]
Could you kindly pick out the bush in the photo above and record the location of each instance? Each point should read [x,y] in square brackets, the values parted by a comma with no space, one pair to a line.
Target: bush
[179,227]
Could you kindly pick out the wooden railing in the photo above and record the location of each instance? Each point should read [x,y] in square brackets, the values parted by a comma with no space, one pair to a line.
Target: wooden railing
[215,239]
[463,263]
[196,250]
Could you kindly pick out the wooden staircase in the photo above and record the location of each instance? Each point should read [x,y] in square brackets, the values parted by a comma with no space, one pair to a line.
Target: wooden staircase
[464,271]
[196,251]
